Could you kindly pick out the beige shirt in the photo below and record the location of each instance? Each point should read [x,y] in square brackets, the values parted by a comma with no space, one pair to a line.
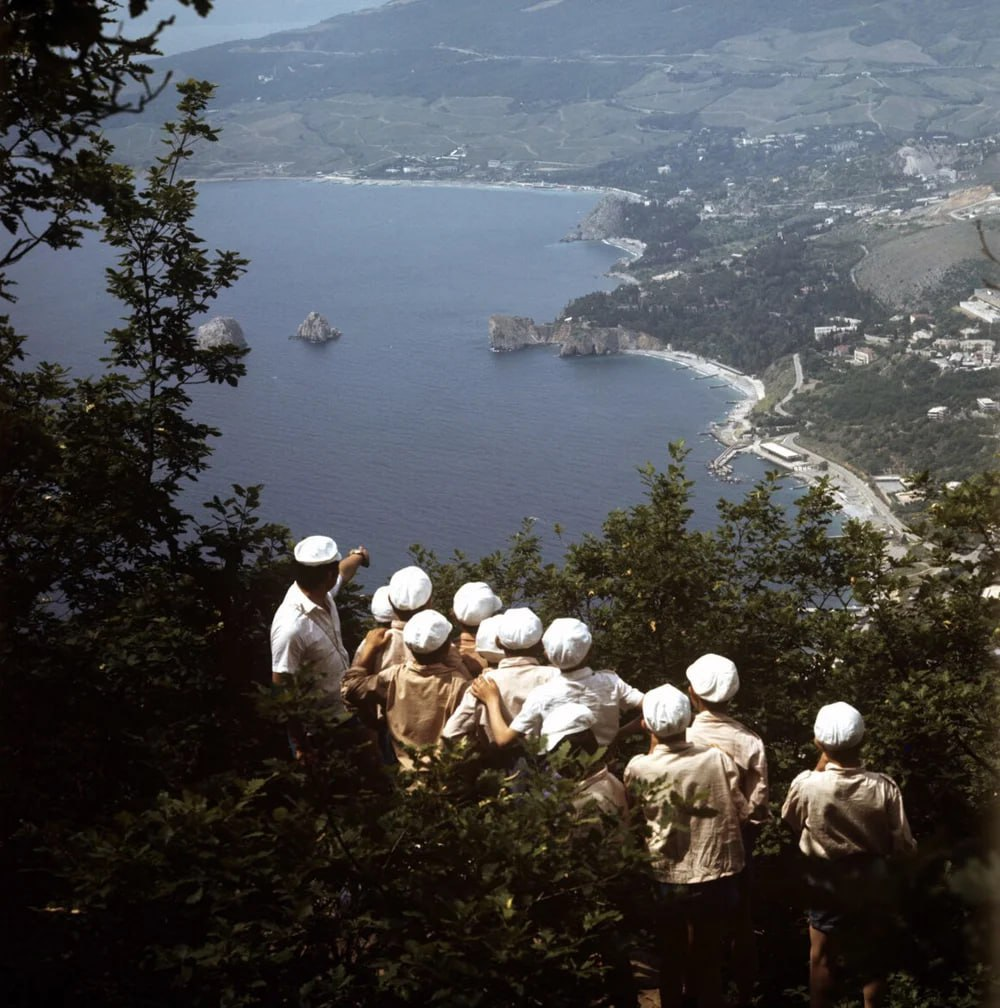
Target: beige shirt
[475,663]
[418,700]
[606,790]
[684,778]
[746,748]
[515,677]
[842,811]
[394,651]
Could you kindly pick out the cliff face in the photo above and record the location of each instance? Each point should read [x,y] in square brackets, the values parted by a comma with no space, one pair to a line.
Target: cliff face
[606,220]
[574,338]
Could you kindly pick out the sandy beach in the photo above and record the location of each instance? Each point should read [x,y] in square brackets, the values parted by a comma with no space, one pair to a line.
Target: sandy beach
[735,434]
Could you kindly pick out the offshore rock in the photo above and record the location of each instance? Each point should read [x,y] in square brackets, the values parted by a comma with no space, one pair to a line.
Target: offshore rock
[316,329]
[220,332]
[574,337]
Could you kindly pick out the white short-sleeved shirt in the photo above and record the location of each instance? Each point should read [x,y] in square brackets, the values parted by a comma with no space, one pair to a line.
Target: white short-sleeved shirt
[304,633]
[604,692]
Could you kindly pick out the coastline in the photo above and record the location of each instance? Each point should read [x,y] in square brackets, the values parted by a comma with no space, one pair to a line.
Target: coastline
[338,179]
[856,498]
[734,432]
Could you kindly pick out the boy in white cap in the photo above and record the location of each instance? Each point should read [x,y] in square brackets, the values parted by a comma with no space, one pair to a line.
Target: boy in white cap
[712,682]
[567,644]
[519,636]
[487,646]
[696,855]
[474,601]
[409,592]
[305,631]
[850,821]
[419,694]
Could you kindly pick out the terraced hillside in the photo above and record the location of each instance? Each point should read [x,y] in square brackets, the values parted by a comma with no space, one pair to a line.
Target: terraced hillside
[577,82]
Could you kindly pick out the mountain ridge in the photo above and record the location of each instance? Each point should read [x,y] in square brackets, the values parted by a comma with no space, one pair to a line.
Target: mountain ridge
[578,82]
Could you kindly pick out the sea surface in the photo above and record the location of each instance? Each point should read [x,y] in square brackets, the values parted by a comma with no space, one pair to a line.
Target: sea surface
[408,429]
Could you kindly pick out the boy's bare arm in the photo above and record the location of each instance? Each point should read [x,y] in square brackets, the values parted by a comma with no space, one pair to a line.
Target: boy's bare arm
[486,691]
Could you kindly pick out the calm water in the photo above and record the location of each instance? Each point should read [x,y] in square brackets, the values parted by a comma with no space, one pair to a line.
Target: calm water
[408,429]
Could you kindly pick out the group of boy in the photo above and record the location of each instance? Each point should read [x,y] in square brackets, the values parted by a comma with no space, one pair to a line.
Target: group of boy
[702,786]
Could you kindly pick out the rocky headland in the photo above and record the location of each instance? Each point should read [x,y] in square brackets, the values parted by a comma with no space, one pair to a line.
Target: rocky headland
[316,329]
[220,331]
[609,219]
[575,338]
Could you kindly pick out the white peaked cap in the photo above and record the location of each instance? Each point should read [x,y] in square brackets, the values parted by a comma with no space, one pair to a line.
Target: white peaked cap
[315,551]
[839,726]
[567,642]
[566,719]
[486,638]
[474,601]
[713,678]
[519,629]
[426,631]
[381,606]
[666,710]
[409,588]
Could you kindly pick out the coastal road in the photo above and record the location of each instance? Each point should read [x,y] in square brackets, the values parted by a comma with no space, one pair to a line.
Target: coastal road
[780,407]
[859,498]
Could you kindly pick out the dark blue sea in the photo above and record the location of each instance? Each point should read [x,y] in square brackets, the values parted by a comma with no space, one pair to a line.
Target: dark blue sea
[408,429]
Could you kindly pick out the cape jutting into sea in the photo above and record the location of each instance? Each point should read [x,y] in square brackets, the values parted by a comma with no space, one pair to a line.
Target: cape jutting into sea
[408,429]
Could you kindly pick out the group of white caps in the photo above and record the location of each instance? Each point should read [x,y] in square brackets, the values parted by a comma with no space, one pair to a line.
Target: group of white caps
[665,709]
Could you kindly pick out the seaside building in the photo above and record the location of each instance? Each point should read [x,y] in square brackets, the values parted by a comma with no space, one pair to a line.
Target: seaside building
[780,453]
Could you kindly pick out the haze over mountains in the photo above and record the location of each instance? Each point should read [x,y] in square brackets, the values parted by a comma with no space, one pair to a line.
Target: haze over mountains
[577,82]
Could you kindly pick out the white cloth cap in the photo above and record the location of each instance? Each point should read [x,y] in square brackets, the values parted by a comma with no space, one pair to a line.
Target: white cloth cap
[315,551]
[381,606]
[474,601]
[409,588]
[486,638]
[713,678]
[519,629]
[839,726]
[666,711]
[567,642]
[426,631]
[566,719]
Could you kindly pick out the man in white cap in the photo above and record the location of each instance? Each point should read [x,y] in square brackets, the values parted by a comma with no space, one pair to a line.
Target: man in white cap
[305,631]
[474,601]
[850,821]
[567,643]
[712,682]
[696,857]
[418,694]
[519,636]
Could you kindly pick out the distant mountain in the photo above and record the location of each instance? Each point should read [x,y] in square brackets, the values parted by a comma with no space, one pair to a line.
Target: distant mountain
[578,82]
